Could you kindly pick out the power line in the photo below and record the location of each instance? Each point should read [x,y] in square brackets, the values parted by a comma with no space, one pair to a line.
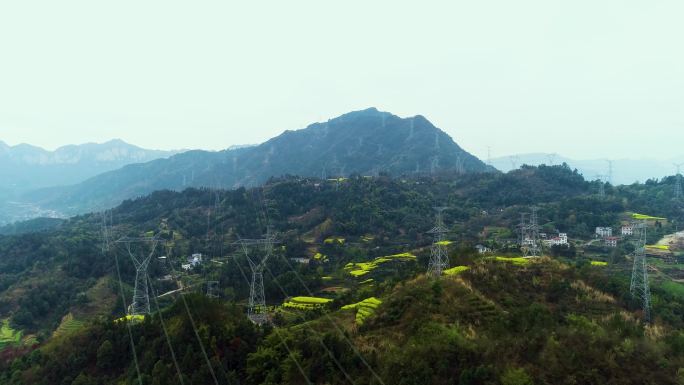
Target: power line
[332,322]
[328,351]
[106,232]
[275,329]
[197,336]
[166,334]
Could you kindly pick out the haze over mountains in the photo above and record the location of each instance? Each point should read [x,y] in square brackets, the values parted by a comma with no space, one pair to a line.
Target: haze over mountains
[25,167]
[363,142]
[624,171]
[77,179]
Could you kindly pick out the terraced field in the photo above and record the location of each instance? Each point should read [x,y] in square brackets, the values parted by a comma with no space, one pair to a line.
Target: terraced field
[8,336]
[306,303]
[69,325]
[364,309]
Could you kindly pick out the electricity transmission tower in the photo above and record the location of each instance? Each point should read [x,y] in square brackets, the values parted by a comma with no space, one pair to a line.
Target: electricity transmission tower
[212,289]
[460,168]
[678,182]
[514,159]
[610,172]
[639,288]
[106,230]
[141,295]
[257,311]
[522,229]
[602,186]
[552,158]
[533,241]
[439,258]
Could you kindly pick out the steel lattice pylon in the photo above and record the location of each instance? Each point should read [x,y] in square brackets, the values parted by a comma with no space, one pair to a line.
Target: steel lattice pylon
[257,310]
[639,287]
[439,258]
[530,241]
[522,230]
[213,289]
[534,249]
[141,295]
[106,230]
[602,186]
[678,182]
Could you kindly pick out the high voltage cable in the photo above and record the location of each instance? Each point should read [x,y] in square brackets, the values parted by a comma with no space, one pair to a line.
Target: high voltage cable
[123,299]
[337,363]
[199,339]
[339,330]
[275,329]
[166,333]
[337,327]
[332,356]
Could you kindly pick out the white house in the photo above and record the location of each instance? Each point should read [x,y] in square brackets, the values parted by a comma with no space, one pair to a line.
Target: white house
[481,249]
[604,232]
[627,230]
[611,241]
[194,260]
[560,240]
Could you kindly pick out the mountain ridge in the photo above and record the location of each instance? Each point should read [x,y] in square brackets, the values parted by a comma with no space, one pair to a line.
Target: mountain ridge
[25,167]
[625,170]
[364,142]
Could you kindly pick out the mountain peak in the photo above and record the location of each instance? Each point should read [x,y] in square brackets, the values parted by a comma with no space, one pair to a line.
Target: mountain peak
[364,142]
[117,141]
[365,113]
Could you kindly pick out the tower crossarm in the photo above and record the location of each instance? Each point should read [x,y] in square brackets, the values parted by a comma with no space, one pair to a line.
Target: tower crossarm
[438,230]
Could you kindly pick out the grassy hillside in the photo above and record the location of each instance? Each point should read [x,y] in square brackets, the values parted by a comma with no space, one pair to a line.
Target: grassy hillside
[8,336]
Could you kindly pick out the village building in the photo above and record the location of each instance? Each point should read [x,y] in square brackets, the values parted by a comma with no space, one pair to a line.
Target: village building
[481,249]
[611,241]
[560,240]
[604,232]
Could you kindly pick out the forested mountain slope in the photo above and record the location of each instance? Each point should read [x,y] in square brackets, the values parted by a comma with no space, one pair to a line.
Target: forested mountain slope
[364,142]
[556,320]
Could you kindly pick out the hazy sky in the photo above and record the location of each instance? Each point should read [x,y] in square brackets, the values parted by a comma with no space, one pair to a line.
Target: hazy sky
[583,78]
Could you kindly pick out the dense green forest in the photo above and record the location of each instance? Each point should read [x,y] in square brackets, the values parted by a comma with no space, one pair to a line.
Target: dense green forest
[559,319]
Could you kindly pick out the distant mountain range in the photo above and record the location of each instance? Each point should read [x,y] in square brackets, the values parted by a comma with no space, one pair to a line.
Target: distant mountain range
[624,171]
[24,167]
[364,142]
